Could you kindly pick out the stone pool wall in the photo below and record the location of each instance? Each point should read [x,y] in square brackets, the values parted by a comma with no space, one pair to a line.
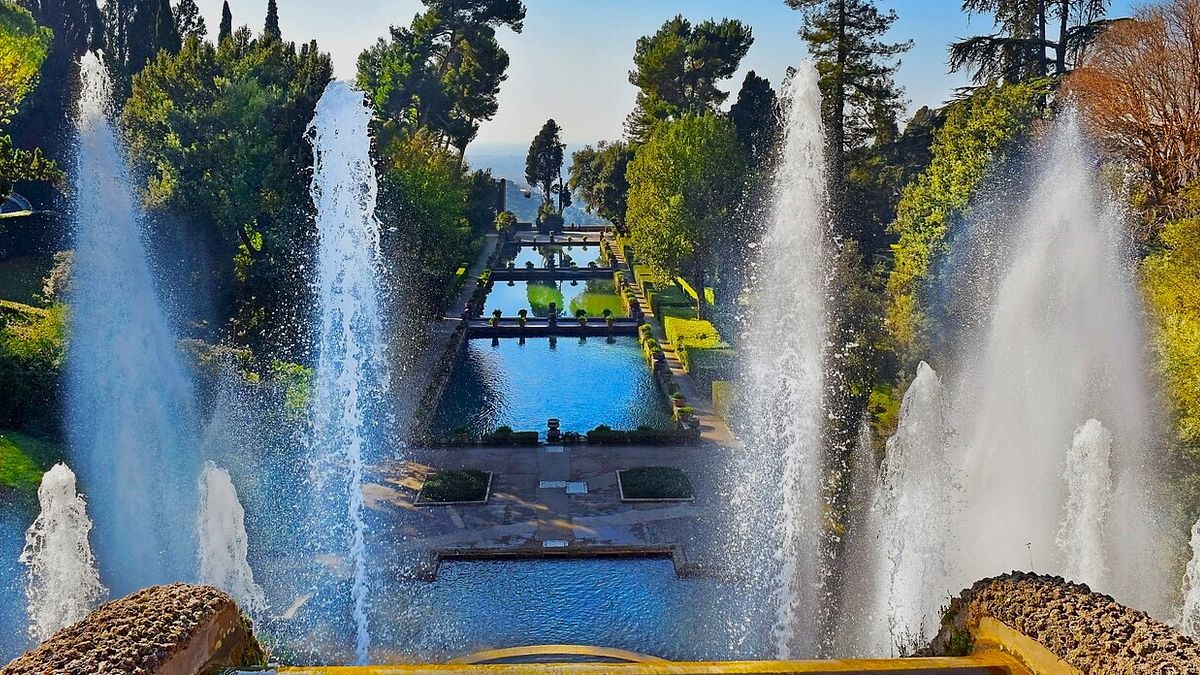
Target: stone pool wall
[180,629]
[1087,631]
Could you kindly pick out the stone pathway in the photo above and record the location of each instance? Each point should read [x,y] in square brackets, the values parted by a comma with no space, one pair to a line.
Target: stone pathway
[712,427]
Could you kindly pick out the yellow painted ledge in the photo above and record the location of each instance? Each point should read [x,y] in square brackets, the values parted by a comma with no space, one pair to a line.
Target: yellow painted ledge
[994,634]
[986,662]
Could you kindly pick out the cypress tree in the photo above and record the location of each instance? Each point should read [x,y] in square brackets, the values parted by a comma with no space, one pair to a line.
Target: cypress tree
[271,28]
[226,23]
[188,21]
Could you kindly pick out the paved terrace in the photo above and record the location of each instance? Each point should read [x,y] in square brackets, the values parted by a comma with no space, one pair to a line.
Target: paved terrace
[523,515]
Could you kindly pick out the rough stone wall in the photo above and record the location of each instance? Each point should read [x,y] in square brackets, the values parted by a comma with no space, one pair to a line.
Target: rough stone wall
[1087,630]
[179,629]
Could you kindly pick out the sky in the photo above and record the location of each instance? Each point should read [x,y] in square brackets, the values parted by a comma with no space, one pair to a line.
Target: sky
[572,59]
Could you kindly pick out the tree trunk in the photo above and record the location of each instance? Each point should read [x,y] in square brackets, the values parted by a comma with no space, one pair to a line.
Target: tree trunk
[698,286]
[837,130]
[1041,28]
[1060,50]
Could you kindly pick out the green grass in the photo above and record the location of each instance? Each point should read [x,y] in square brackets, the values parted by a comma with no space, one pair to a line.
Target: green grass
[540,296]
[23,459]
[656,482]
[21,277]
[460,485]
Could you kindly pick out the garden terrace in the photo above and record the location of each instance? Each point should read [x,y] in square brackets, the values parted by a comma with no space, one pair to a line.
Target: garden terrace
[510,327]
[550,273]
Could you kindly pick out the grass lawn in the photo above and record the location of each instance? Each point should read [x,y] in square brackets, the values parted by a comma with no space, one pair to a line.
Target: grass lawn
[655,482]
[461,485]
[23,459]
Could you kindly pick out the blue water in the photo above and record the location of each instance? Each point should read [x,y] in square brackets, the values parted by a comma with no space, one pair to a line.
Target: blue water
[593,296]
[584,384]
[561,254]
[633,604]
[17,512]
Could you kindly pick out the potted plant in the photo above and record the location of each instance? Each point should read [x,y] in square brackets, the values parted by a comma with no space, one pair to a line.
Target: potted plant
[685,413]
[496,317]
[522,314]
[608,317]
[581,316]
[677,399]
[529,264]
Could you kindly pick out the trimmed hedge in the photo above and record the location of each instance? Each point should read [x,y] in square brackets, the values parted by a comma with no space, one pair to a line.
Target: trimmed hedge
[640,437]
[669,296]
[724,395]
[510,438]
[691,335]
[459,485]
[709,365]
[656,482]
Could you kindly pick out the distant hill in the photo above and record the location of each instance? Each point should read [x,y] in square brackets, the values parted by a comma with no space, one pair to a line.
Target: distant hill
[508,161]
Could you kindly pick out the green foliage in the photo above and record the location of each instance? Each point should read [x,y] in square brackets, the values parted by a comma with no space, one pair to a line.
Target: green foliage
[32,349]
[724,397]
[443,72]
[295,381]
[24,46]
[692,337]
[540,294]
[755,116]
[979,132]
[655,482]
[670,301]
[505,222]
[188,21]
[677,69]
[544,161]
[598,298]
[460,485]
[424,196]
[603,435]
[683,184]
[23,459]
[598,175]
[220,132]
[1171,278]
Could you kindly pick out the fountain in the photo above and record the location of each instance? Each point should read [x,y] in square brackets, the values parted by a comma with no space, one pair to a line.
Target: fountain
[63,583]
[778,497]
[1189,621]
[128,397]
[1088,476]
[351,374]
[1055,339]
[915,502]
[223,546]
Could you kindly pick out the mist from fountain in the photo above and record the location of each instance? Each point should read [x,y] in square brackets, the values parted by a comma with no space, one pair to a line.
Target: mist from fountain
[779,496]
[129,400]
[63,584]
[351,374]
[224,544]
[1054,340]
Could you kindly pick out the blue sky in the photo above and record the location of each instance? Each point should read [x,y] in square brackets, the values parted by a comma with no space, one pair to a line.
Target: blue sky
[572,59]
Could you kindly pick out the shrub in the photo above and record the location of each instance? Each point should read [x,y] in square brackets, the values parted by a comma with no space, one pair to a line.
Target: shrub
[724,394]
[709,365]
[688,335]
[32,349]
[656,482]
[670,296]
[460,485]
[511,437]
[504,430]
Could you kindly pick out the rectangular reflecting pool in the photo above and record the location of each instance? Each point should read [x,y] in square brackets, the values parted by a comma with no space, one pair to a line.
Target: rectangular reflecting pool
[638,605]
[592,296]
[583,383]
[561,254]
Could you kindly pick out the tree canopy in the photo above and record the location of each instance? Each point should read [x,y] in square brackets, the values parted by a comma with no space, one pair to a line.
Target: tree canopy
[544,161]
[677,69]
[24,46]
[598,176]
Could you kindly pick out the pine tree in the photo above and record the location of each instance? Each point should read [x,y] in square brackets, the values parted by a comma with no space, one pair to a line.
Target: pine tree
[543,164]
[188,22]
[226,28]
[859,97]
[271,27]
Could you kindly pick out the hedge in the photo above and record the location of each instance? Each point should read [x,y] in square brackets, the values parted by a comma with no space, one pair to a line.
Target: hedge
[511,438]
[655,482]
[691,335]
[640,437]
[669,296]
[459,485]
[647,279]
[710,365]
[724,395]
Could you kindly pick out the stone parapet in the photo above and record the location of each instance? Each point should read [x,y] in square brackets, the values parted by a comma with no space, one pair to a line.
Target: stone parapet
[180,629]
[1085,631]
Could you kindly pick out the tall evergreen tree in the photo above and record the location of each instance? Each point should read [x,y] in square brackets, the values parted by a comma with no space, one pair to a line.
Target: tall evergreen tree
[226,28]
[543,164]
[859,96]
[677,69]
[1034,38]
[135,31]
[271,27]
[188,22]
[755,117]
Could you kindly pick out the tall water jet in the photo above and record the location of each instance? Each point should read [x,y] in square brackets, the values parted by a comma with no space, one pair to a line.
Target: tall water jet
[63,584]
[351,375]
[779,492]
[223,549]
[911,515]
[129,399]
[1088,475]
[1189,621]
